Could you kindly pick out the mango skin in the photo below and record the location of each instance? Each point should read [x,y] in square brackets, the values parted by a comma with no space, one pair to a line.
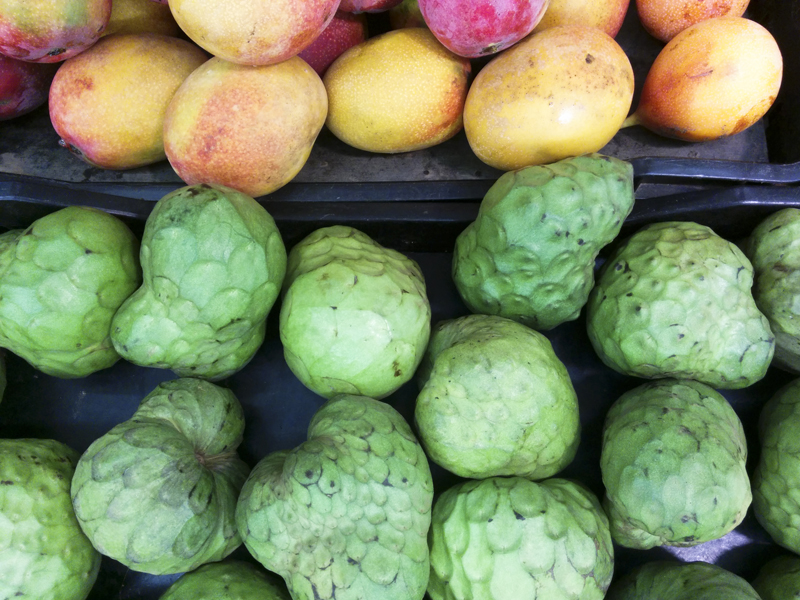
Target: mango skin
[50,30]
[558,93]
[23,86]
[247,128]
[606,15]
[714,79]
[108,103]
[141,16]
[397,92]
[253,33]
[664,19]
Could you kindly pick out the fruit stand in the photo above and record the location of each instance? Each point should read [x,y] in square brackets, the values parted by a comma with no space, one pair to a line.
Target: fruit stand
[417,203]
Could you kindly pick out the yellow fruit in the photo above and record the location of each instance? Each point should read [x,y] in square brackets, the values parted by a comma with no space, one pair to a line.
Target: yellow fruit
[108,102]
[714,79]
[562,92]
[664,19]
[248,128]
[607,15]
[396,92]
[141,16]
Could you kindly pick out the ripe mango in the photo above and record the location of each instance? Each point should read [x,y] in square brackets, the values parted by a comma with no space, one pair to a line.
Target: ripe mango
[108,103]
[398,91]
[714,79]
[141,16]
[664,19]
[247,128]
[558,93]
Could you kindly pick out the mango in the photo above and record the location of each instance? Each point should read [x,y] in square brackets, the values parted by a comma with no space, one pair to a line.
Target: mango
[714,79]
[406,14]
[664,19]
[141,16]
[50,30]
[108,103]
[253,33]
[344,31]
[607,15]
[371,6]
[558,93]
[396,92]
[247,128]
[23,86]
[476,28]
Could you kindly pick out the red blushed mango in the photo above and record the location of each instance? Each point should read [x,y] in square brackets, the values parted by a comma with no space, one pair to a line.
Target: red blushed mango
[253,33]
[664,19]
[714,79]
[373,6]
[474,28]
[23,86]
[108,103]
[396,92]
[346,30]
[605,15]
[50,30]
[247,128]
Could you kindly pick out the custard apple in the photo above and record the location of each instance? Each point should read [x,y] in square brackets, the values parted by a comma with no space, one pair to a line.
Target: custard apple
[227,580]
[662,580]
[158,492]
[530,254]
[779,579]
[507,538]
[213,263]
[673,464]
[44,555]
[344,515]
[61,281]
[495,400]
[355,317]
[675,300]
[774,249]
[776,479]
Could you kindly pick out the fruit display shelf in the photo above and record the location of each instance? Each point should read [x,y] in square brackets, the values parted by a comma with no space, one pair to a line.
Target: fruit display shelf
[450,171]
[278,407]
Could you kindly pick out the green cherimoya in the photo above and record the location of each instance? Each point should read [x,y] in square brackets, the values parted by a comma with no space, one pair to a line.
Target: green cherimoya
[213,262]
[506,538]
[776,478]
[774,249]
[44,555]
[530,254]
[673,464]
[227,580]
[355,317]
[675,300]
[495,400]
[779,579]
[662,580]
[344,515]
[61,281]
[158,492]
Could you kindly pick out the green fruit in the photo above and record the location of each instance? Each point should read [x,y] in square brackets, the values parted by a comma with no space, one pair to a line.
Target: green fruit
[776,479]
[355,317]
[61,281]
[673,464]
[213,263]
[530,254]
[44,555]
[158,492]
[228,580]
[662,580]
[774,249]
[510,538]
[495,400]
[675,300]
[344,515]
[779,579]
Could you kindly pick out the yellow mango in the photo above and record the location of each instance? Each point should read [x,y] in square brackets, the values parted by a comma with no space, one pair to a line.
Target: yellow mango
[562,92]
[396,92]
[141,16]
[108,102]
[714,79]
